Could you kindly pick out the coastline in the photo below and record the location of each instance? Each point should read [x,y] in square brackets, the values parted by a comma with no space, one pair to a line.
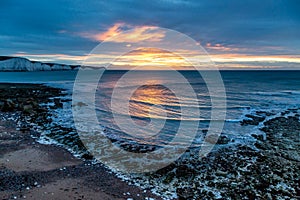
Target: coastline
[32,170]
[269,170]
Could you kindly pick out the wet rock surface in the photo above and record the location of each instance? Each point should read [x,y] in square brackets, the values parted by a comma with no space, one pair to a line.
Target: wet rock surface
[253,119]
[268,170]
[29,101]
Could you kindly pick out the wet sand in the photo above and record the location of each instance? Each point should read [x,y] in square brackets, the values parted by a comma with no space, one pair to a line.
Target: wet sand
[29,170]
[34,171]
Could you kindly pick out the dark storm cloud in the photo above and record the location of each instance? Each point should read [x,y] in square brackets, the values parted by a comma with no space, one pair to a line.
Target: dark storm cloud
[34,26]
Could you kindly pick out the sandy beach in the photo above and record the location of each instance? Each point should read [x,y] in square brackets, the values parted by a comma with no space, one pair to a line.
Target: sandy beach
[29,170]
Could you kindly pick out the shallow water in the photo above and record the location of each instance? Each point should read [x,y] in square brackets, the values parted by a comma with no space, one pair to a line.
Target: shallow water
[152,102]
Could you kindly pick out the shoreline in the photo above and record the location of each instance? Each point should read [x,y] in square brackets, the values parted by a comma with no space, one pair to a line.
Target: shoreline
[269,170]
[32,170]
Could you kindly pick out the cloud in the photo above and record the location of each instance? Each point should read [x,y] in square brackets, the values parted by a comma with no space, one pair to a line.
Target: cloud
[257,58]
[117,33]
[149,58]
[70,27]
[219,47]
[112,31]
[57,58]
[258,65]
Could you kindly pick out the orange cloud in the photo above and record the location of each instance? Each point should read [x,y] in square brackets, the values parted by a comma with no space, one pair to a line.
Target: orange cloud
[134,35]
[114,30]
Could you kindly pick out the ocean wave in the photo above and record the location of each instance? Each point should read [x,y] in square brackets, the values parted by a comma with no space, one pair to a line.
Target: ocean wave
[277,93]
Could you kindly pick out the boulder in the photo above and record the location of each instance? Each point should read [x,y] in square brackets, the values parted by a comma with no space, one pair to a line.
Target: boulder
[8,106]
[216,139]
[28,109]
[58,103]
[254,120]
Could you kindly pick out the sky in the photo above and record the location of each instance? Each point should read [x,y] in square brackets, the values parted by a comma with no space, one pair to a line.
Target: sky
[237,34]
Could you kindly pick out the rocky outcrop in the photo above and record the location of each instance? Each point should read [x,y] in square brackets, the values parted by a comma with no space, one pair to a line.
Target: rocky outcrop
[23,64]
[268,168]
[252,120]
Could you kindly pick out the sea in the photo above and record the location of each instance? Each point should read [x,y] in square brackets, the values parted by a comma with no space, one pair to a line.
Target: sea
[157,104]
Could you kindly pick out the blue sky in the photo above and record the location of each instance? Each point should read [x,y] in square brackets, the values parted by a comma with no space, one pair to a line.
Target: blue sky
[56,30]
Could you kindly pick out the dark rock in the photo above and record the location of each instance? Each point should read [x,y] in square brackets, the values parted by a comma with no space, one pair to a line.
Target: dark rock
[264,129]
[260,145]
[28,109]
[246,122]
[167,169]
[1,105]
[223,140]
[258,137]
[185,193]
[8,106]
[285,113]
[58,103]
[254,120]
[204,131]
[216,139]
[87,156]
[169,178]
[66,100]
[185,171]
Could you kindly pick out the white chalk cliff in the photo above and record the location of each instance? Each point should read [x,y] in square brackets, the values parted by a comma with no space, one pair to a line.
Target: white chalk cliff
[23,64]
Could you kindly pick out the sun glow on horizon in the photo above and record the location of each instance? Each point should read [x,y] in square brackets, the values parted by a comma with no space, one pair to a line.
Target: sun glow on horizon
[225,56]
[151,57]
[157,59]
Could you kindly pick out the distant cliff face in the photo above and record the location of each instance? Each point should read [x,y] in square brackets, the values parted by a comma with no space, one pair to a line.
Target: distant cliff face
[23,64]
